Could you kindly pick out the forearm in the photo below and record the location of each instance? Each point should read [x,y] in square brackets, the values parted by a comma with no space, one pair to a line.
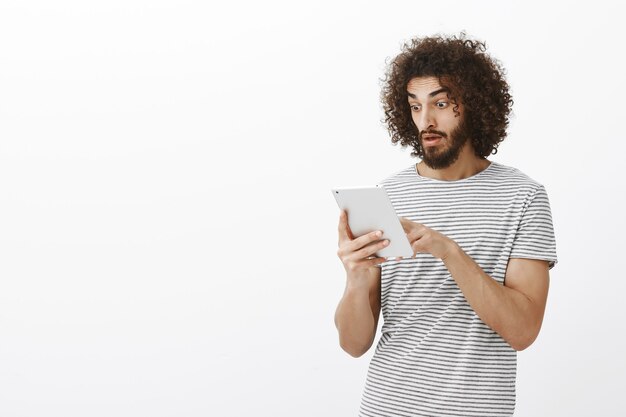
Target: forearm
[505,310]
[355,321]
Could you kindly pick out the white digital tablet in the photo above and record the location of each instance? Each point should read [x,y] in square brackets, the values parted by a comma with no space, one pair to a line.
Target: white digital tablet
[370,209]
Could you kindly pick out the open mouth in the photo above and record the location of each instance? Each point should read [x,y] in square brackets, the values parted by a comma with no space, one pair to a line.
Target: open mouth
[431,140]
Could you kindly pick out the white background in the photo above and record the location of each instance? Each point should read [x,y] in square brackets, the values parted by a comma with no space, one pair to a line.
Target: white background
[167,232]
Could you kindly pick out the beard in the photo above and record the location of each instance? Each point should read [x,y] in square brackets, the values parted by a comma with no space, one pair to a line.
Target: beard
[444,155]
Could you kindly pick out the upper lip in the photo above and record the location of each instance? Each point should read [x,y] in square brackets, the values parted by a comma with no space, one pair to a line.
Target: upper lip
[430,135]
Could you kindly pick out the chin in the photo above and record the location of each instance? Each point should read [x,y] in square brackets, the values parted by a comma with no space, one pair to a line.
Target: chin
[441,161]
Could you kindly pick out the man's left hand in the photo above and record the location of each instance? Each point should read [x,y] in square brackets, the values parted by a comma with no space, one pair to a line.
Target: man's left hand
[426,240]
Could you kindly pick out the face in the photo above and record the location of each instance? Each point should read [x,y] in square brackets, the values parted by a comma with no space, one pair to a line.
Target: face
[442,132]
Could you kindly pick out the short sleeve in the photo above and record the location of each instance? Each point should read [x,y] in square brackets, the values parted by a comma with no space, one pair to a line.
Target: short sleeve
[535,238]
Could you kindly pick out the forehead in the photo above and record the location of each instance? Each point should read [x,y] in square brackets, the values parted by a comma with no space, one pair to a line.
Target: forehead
[421,87]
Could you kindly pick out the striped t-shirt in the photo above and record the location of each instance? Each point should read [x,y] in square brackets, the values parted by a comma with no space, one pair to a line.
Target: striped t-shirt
[435,356]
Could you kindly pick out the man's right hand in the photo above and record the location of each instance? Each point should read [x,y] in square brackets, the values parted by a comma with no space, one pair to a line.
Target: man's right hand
[358,311]
[358,255]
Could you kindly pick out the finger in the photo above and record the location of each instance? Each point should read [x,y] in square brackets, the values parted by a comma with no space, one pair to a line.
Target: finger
[361,247]
[416,232]
[344,229]
[371,249]
[366,239]
[377,261]
[406,224]
[373,261]
[418,247]
[350,248]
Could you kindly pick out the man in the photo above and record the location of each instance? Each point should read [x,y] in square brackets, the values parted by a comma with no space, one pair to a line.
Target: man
[474,293]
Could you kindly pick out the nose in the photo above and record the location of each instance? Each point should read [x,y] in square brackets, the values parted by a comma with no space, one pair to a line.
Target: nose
[425,120]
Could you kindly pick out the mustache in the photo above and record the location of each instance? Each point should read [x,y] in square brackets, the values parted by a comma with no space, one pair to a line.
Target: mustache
[432,132]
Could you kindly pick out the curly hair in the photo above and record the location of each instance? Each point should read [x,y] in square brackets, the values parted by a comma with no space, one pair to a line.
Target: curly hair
[470,74]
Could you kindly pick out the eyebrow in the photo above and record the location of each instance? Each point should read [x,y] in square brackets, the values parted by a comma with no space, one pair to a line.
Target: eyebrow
[433,94]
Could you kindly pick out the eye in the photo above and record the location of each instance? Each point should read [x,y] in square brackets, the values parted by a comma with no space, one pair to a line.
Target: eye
[442,104]
[414,107]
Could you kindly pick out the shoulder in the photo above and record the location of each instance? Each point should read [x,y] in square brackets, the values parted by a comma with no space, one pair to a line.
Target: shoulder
[514,177]
[402,176]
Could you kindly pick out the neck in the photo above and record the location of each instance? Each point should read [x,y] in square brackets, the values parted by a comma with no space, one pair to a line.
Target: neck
[467,165]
